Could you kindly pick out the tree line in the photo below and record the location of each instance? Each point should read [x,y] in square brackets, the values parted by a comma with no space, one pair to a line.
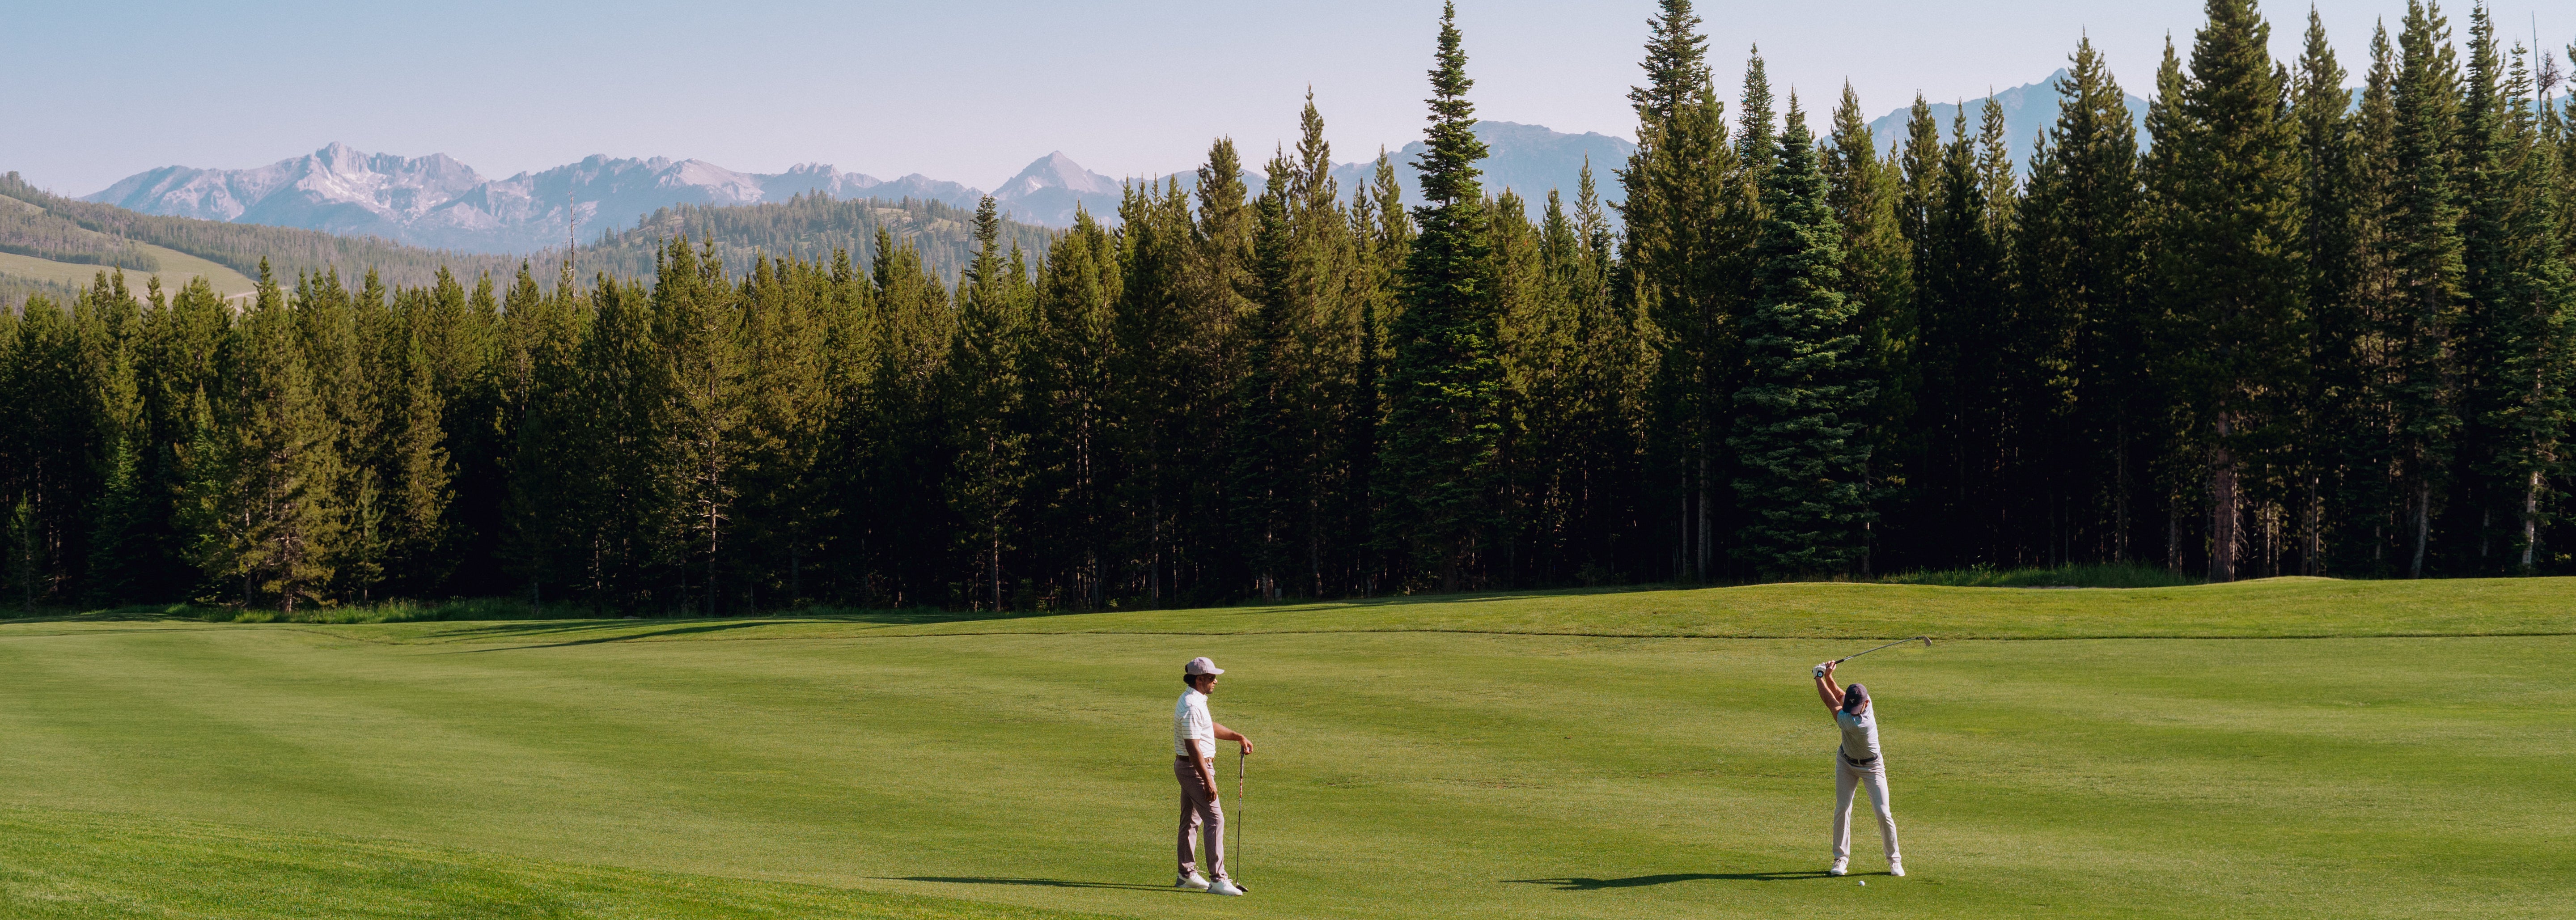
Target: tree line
[2282,333]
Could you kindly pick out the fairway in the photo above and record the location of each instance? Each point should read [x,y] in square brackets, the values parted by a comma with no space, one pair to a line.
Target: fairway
[2366,750]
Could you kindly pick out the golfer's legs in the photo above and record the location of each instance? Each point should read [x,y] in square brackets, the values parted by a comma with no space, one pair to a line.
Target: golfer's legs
[1189,814]
[1200,816]
[1886,816]
[1845,779]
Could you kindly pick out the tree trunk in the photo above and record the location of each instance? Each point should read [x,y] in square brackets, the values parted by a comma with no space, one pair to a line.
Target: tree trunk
[2223,536]
[2423,526]
[2530,520]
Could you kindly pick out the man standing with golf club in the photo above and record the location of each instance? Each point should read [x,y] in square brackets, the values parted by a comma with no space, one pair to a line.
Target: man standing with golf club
[1194,738]
[1855,763]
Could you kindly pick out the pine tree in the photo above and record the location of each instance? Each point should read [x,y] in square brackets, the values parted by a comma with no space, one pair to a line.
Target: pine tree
[174,368]
[2232,270]
[2077,259]
[1678,256]
[983,390]
[1865,192]
[1444,384]
[2328,191]
[1154,333]
[269,518]
[121,507]
[1077,296]
[2428,266]
[697,331]
[1802,449]
[2526,309]
[1264,453]
[1962,310]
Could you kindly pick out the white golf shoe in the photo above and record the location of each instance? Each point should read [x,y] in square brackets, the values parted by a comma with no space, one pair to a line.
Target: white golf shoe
[1192,881]
[1223,886]
[1896,868]
[1839,868]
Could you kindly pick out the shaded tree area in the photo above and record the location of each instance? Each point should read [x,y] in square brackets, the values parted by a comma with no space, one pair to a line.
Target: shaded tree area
[2278,334]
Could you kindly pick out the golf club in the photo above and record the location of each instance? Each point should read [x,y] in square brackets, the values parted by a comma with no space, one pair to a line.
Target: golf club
[1926,640]
[1241,805]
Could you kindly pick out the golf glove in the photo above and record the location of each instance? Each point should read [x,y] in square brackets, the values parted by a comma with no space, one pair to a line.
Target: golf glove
[1820,670]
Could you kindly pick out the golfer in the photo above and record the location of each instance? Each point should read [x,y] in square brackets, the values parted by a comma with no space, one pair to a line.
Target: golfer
[1194,737]
[1857,762]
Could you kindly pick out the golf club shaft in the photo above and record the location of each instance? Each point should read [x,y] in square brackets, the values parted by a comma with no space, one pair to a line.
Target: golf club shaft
[1926,640]
[1242,806]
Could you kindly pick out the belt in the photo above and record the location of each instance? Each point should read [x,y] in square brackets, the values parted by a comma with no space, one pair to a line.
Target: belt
[1847,758]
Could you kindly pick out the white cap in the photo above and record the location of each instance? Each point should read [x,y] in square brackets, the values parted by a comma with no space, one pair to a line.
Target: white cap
[1201,665]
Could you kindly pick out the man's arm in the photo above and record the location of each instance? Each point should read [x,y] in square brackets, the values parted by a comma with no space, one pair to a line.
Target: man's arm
[1227,734]
[1825,689]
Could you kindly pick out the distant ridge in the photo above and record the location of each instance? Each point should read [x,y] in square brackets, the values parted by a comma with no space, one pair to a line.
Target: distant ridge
[437,202]
[2029,111]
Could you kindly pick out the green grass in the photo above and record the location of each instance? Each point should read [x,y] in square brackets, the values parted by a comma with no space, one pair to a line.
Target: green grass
[64,864]
[1562,755]
[176,268]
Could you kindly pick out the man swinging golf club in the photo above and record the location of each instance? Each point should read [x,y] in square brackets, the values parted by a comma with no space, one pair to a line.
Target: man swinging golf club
[1194,738]
[1856,762]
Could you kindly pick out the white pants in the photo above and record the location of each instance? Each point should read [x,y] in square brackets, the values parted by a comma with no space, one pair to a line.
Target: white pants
[1846,777]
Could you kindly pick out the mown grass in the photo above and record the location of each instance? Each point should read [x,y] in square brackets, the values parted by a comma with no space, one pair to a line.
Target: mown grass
[64,864]
[1428,758]
[2268,608]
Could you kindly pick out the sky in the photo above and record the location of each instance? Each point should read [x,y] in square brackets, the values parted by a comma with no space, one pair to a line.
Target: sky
[93,91]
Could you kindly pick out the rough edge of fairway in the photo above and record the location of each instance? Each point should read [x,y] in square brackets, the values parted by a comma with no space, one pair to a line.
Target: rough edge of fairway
[59,863]
[2281,608]
[2278,608]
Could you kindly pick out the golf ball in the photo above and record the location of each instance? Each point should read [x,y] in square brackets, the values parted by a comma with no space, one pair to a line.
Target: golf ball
[1864,883]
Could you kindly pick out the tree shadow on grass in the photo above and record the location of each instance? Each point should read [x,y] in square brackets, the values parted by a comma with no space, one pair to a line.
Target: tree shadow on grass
[1579,883]
[623,637]
[1036,882]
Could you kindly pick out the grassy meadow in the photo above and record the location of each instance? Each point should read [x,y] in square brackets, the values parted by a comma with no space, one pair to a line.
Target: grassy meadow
[176,269]
[2284,748]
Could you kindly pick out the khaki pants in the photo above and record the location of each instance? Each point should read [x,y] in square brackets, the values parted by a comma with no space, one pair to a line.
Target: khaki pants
[1200,813]
[1846,777]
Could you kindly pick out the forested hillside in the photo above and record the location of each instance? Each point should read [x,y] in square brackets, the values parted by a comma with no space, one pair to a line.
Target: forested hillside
[41,225]
[2289,336]
[811,226]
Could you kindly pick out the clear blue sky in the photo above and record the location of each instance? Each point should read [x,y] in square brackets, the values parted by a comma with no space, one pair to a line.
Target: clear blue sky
[96,90]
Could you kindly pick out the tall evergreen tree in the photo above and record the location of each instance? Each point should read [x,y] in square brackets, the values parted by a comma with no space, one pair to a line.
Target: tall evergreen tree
[1677,261]
[2077,256]
[1866,192]
[265,514]
[2230,265]
[1803,452]
[1444,384]
[2428,266]
[983,385]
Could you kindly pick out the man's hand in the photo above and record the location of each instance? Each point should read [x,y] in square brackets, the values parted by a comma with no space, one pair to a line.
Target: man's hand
[1829,669]
[1247,744]
[1823,669]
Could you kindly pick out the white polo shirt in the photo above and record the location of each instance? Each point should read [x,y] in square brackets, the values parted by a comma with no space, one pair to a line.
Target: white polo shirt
[1190,721]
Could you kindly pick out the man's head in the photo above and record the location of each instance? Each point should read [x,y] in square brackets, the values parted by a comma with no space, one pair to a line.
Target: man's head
[1855,699]
[1201,673]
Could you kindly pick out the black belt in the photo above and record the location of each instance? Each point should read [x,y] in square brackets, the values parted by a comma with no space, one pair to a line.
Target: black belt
[1863,764]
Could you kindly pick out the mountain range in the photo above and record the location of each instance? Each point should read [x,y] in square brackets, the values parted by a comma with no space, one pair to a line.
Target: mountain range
[438,202]
[2029,110]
